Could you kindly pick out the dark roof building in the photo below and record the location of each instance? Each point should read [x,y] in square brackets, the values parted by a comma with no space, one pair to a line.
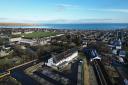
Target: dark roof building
[62,59]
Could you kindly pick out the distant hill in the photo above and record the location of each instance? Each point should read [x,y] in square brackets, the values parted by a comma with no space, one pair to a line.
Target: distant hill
[17,24]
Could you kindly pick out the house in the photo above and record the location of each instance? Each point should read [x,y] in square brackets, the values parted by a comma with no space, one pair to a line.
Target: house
[91,54]
[59,61]
[44,41]
[5,50]
[117,44]
[114,51]
[94,55]
[121,60]
[15,39]
[122,53]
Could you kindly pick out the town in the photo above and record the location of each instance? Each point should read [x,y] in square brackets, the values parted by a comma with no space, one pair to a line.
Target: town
[41,56]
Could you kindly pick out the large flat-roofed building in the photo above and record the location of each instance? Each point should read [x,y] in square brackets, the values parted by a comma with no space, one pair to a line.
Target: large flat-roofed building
[15,39]
[16,33]
[28,42]
[61,60]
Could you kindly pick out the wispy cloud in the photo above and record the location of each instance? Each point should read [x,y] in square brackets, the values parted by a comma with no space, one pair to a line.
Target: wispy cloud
[63,7]
[119,10]
[3,18]
[21,19]
[85,20]
[111,10]
[102,20]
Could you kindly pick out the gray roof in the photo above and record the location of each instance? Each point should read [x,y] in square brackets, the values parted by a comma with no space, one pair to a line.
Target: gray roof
[63,55]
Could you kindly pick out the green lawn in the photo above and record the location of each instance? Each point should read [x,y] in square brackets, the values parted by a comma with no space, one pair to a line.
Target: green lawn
[39,34]
[15,36]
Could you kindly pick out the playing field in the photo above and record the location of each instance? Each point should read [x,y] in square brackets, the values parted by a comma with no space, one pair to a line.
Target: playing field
[39,34]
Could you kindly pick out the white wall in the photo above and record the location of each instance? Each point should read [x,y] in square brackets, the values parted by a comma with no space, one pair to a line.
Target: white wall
[50,62]
[16,33]
[28,32]
[72,56]
[15,39]
[118,47]
[68,59]
[44,42]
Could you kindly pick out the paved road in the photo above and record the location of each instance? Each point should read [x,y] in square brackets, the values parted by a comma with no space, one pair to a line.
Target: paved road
[18,73]
[73,75]
[22,64]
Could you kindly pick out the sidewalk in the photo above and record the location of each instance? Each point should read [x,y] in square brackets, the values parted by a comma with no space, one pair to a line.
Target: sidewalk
[86,73]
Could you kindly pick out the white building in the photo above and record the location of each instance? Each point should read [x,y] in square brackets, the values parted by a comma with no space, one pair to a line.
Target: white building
[114,51]
[94,55]
[61,60]
[15,39]
[44,41]
[23,41]
[28,32]
[117,44]
[122,53]
[121,59]
[27,41]
[16,33]
[5,50]
[84,44]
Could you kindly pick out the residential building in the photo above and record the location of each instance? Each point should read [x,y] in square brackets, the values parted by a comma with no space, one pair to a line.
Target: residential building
[122,53]
[94,55]
[27,42]
[58,61]
[15,39]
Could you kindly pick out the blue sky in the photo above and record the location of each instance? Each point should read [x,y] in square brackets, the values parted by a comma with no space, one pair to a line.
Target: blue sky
[64,11]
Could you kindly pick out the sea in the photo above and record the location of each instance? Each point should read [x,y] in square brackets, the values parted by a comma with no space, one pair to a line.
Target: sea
[86,26]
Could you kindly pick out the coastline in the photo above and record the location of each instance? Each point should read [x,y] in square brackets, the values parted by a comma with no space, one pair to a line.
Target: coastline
[86,26]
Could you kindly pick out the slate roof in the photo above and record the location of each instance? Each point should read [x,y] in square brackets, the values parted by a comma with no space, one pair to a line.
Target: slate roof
[117,42]
[94,53]
[63,55]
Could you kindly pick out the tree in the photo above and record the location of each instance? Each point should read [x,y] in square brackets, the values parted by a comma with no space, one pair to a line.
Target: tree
[43,52]
[77,40]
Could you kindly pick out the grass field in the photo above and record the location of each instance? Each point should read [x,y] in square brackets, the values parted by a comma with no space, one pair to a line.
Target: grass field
[39,34]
